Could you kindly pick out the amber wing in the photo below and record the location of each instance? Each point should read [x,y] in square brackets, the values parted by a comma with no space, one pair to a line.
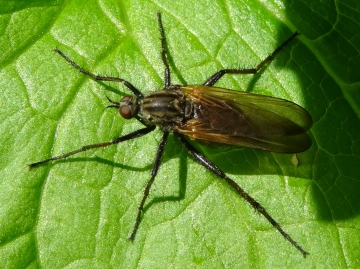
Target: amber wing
[245,119]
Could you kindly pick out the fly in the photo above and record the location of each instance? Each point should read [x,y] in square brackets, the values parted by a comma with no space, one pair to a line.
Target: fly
[208,113]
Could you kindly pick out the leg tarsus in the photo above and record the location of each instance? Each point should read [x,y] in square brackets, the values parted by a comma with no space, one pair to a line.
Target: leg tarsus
[213,168]
[157,163]
[132,135]
[218,75]
[100,78]
[164,55]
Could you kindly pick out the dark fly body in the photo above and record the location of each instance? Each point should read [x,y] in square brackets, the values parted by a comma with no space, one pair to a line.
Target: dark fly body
[205,112]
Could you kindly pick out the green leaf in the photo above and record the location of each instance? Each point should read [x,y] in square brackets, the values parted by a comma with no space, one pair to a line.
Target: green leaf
[78,212]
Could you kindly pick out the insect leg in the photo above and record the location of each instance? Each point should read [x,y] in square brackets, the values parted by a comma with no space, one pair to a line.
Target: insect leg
[101,78]
[214,78]
[164,52]
[132,135]
[214,169]
[157,163]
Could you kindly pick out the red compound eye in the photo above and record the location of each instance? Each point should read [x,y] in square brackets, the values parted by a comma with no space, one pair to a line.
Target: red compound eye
[125,107]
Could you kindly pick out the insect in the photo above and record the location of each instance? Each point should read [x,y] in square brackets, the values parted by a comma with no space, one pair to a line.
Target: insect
[205,112]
